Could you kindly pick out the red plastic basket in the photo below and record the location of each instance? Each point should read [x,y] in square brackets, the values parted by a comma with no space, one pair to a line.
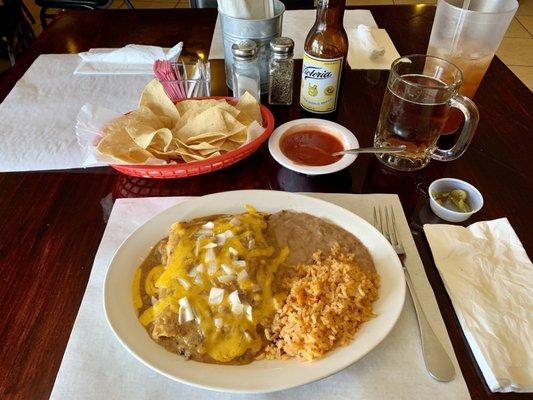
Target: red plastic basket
[183,170]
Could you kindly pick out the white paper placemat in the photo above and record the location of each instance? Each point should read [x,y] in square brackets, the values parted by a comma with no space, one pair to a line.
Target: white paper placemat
[96,366]
[296,25]
[38,116]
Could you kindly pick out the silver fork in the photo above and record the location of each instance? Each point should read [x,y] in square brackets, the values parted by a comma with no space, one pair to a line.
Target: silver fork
[438,363]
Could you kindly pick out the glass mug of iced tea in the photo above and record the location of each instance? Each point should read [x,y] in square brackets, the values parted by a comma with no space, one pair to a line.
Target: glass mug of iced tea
[421,91]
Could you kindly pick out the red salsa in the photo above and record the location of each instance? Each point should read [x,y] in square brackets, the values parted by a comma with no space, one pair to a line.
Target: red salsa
[311,147]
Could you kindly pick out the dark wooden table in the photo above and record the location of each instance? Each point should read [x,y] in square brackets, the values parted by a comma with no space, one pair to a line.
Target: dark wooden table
[52,222]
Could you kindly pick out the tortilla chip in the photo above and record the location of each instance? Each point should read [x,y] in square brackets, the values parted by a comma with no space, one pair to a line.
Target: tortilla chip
[185,118]
[239,137]
[161,140]
[141,134]
[167,121]
[212,123]
[222,146]
[191,154]
[232,124]
[155,98]
[143,115]
[187,105]
[228,145]
[207,137]
[224,105]
[118,144]
[244,119]
[207,153]
[202,146]
[210,120]
[191,108]
[249,106]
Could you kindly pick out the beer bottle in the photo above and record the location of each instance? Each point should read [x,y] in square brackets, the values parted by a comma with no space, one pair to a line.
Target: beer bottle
[325,52]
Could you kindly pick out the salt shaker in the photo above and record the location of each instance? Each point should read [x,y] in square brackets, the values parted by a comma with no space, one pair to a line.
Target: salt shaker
[245,69]
[281,69]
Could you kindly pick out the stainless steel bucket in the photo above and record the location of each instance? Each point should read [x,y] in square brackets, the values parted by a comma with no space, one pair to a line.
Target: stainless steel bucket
[259,30]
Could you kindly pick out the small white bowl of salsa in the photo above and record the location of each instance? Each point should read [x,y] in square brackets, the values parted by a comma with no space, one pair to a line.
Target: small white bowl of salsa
[306,146]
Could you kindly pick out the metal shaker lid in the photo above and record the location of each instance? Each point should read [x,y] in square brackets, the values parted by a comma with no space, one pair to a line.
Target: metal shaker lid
[282,46]
[244,50]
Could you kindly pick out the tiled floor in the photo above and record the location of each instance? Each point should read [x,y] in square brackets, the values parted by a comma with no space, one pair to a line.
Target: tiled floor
[516,50]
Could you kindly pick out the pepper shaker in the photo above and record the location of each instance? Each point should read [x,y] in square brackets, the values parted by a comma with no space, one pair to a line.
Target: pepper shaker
[281,71]
[246,76]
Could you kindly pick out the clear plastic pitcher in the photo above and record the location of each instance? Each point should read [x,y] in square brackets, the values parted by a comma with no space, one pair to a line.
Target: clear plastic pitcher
[468,33]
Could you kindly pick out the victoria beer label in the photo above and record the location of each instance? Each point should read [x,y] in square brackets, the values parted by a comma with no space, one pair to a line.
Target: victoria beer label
[325,52]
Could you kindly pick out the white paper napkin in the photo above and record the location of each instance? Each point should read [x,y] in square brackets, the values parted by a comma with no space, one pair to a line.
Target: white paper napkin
[296,25]
[247,9]
[489,278]
[38,116]
[360,54]
[133,59]
[368,41]
[96,366]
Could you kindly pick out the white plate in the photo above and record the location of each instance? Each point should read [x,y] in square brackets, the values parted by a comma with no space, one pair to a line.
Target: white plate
[347,138]
[259,376]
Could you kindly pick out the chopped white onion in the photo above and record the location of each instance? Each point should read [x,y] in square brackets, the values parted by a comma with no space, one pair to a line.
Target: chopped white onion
[228,233]
[210,245]
[240,263]
[241,276]
[235,221]
[204,233]
[218,322]
[226,278]
[212,268]
[210,255]
[216,295]
[251,243]
[221,239]
[233,251]
[185,313]
[197,245]
[198,279]
[248,311]
[153,300]
[185,283]
[208,225]
[196,269]
[227,269]
[236,305]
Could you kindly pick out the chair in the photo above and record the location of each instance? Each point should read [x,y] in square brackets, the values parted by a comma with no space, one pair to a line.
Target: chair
[72,5]
[15,31]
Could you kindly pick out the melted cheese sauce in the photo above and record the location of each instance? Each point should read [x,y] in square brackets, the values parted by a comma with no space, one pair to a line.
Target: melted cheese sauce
[226,252]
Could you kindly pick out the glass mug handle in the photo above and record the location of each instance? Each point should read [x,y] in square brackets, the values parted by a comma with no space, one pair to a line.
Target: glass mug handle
[471,114]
